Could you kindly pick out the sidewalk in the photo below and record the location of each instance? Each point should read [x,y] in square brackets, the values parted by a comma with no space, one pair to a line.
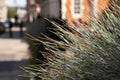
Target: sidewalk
[13,54]
[13,49]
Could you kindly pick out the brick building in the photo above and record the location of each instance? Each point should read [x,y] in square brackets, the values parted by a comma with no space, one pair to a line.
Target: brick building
[70,10]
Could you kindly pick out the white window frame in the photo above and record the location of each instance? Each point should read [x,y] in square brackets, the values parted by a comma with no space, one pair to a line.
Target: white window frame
[77,15]
[73,14]
[63,9]
[95,9]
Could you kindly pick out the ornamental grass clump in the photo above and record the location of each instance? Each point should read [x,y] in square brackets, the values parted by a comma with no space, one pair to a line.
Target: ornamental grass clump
[92,54]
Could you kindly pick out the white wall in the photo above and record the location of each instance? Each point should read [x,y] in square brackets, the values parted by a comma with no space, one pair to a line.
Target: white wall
[3,12]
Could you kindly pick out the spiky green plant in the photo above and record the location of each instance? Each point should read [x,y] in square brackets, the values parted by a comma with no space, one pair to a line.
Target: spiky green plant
[92,54]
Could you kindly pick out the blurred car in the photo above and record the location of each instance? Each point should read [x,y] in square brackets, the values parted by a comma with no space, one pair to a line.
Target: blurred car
[6,24]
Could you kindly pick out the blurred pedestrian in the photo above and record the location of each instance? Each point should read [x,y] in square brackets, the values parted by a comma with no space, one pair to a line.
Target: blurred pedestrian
[10,28]
[16,20]
[21,28]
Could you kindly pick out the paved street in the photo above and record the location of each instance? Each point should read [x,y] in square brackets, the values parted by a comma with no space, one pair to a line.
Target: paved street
[13,54]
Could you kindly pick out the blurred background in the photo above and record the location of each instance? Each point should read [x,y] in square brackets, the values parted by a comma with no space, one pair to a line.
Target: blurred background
[18,17]
[13,48]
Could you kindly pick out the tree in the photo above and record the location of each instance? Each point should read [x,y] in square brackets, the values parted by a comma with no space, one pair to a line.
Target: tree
[11,12]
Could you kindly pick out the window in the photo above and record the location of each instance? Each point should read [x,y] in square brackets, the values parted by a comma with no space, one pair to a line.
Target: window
[77,6]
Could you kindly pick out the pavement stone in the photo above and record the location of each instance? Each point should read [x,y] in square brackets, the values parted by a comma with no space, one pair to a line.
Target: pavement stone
[13,54]
[13,49]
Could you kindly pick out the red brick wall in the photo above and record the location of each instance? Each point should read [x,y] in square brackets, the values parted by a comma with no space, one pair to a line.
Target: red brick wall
[100,6]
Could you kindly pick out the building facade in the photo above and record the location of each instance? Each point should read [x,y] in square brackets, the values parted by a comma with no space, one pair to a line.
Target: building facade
[71,10]
[82,10]
[3,11]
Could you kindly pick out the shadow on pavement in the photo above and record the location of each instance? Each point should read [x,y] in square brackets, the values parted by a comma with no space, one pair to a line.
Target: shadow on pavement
[12,65]
[10,70]
[15,35]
